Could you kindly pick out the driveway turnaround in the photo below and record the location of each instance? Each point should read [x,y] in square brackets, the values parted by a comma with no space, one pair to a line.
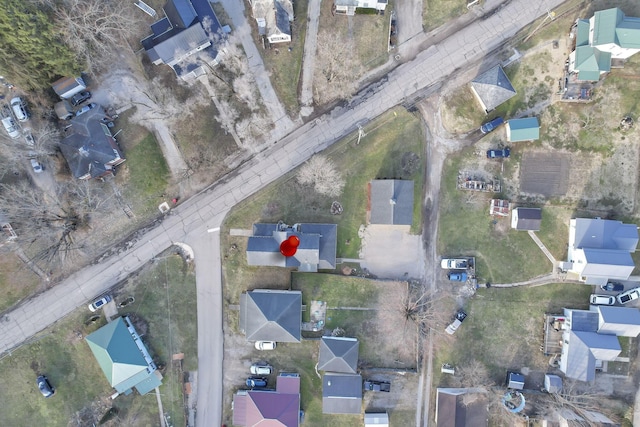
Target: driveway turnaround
[195,221]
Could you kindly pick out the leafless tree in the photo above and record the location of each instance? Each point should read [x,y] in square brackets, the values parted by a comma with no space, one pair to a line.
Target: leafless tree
[322,174]
[94,29]
[339,69]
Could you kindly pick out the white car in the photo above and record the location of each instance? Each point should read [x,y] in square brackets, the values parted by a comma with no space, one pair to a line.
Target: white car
[19,109]
[11,127]
[98,304]
[265,345]
[628,296]
[258,369]
[454,264]
[37,167]
[596,299]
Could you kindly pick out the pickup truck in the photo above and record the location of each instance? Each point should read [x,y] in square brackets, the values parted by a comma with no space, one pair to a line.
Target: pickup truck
[453,327]
[454,264]
[371,385]
[628,296]
[458,277]
[489,126]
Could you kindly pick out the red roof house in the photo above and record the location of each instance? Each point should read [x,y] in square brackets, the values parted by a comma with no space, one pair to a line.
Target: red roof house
[269,408]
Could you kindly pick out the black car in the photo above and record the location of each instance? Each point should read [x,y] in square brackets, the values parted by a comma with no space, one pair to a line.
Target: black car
[80,97]
[372,385]
[45,386]
[612,286]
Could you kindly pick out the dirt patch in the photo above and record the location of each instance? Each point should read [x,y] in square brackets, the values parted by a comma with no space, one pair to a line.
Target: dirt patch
[404,261]
[545,174]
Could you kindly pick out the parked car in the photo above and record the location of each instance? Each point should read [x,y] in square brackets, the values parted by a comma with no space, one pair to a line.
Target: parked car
[498,154]
[602,299]
[80,97]
[256,382]
[492,125]
[45,386]
[96,305]
[265,345]
[372,385]
[458,277]
[19,108]
[454,264]
[628,296]
[28,137]
[453,327]
[37,167]
[612,286]
[11,127]
[86,108]
[260,369]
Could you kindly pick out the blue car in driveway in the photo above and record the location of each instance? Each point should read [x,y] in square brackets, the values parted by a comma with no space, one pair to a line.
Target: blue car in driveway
[458,277]
[492,125]
[498,154]
[613,287]
[256,382]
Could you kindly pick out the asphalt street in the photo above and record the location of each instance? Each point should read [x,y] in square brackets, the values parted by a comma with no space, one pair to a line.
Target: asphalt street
[194,222]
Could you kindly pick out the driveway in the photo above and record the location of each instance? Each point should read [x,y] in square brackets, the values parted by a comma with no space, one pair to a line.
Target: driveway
[390,252]
[193,219]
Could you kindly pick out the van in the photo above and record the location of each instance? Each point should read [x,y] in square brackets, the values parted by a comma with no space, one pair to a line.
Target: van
[596,299]
[20,109]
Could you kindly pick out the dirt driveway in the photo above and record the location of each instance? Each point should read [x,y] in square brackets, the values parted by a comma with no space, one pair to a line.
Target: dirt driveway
[390,252]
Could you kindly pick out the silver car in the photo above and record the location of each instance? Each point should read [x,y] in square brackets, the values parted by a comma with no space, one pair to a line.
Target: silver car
[260,369]
[596,299]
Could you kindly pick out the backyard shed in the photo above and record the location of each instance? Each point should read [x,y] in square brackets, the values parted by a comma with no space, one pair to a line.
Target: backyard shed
[526,129]
[515,381]
[378,419]
[552,383]
[528,219]
[66,87]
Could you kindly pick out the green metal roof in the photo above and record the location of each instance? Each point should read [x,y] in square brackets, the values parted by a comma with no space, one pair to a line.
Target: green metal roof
[582,33]
[604,25]
[118,356]
[526,129]
[628,33]
[590,76]
[591,59]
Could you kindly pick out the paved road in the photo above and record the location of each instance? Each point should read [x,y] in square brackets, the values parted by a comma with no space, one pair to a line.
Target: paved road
[189,222]
[309,59]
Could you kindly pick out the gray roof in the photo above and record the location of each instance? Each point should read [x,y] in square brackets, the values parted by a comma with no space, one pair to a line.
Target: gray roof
[493,87]
[282,18]
[317,248]
[87,148]
[605,234]
[338,354]
[582,320]
[391,202]
[552,383]
[177,46]
[180,13]
[528,218]
[341,394]
[620,315]
[271,315]
[453,411]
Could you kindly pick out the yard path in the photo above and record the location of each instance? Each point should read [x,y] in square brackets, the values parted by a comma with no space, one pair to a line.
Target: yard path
[544,249]
[309,59]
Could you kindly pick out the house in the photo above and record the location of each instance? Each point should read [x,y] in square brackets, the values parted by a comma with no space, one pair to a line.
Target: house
[567,417]
[279,407]
[338,354]
[552,383]
[66,87]
[461,407]
[271,315]
[515,381]
[316,249]
[492,88]
[376,419]
[274,18]
[88,147]
[341,393]
[188,38]
[391,202]
[525,129]
[348,7]
[123,357]
[608,35]
[600,249]
[526,219]
[590,338]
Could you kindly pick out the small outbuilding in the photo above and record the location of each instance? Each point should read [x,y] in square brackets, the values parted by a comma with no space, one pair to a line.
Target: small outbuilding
[552,383]
[378,419]
[527,219]
[526,129]
[391,202]
[515,381]
[66,87]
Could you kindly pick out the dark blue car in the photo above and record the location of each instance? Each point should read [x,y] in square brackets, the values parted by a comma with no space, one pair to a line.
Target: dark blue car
[612,286]
[256,382]
[489,126]
[497,154]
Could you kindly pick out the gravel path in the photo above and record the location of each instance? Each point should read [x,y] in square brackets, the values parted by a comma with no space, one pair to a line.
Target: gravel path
[309,59]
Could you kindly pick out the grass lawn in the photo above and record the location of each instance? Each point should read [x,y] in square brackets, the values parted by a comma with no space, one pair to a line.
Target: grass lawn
[82,391]
[503,329]
[379,155]
[16,280]
[438,12]
[502,255]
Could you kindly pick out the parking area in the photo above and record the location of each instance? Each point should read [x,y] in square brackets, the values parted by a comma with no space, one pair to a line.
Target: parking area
[391,252]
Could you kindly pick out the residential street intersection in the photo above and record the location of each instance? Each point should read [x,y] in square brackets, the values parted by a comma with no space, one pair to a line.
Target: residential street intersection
[196,222]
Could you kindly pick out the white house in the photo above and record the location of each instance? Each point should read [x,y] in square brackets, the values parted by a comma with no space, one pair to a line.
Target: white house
[607,35]
[348,7]
[274,18]
[600,249]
